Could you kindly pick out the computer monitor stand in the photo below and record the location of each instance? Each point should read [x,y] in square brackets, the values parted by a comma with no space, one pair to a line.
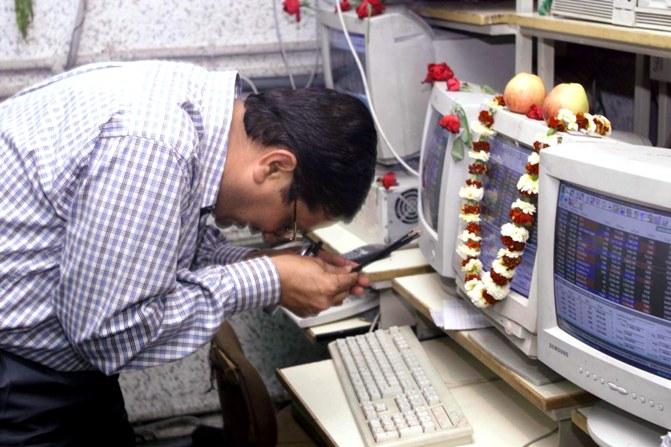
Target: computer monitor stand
[611,427]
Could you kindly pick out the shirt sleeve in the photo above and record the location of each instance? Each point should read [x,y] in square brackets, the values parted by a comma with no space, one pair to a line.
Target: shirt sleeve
[215,249]
[122,299]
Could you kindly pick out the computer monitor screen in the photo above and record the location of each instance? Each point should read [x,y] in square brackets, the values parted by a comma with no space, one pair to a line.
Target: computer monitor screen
[611,277]
[506,165]
[346,77]
[435,148]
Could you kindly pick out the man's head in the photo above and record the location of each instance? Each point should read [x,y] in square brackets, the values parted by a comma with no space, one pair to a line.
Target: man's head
[332,136]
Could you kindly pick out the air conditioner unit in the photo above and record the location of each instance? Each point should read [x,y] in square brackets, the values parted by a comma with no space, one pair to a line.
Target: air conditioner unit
[652,14]
[388,212]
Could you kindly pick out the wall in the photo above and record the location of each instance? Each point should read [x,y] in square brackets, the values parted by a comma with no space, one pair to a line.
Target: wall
[215,33]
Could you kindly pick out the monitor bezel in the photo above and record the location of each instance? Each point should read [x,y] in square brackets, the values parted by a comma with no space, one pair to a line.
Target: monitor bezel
[586,366]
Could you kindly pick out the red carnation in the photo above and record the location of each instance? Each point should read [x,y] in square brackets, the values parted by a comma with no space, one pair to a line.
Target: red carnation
[438,72]
[538,146]
[470,276]
[499,100]
[451,123]
[388,180]
[499,280]
[470,209]
[477,168]
[370,8]
[473,227]
[581,120]
[476,183]
[488,298]
[293,7]
[519,217]
[554,123]
[481,146]
[532,169]
[472,244]
[511,262]
[535,113]
[345,5]
[453,84]
[511,244]
[486,118]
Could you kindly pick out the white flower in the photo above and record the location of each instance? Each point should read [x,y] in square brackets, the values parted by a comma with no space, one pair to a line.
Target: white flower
[534,158]
[471,284]
[502,270]
[466,252]
[475,296]
[481,130]
[481,156]
[473,265]
[591,126]
[566,115]
[493,104]
[525,207]
[496,291]
[468,236]
[518,234]
[469,218]
[470,192]
[605,123]
[508,253]
[527,184]
[550,140]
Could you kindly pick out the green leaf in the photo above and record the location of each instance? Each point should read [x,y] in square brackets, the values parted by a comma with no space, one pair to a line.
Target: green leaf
[24,15]
[457,151]
[489,90]
[463,123]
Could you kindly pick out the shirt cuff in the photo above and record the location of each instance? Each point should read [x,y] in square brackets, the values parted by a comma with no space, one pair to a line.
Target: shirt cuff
[256,283]
[228,253]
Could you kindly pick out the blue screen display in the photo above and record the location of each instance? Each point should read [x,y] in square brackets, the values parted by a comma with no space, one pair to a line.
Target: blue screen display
[432,169]
[612,274]
[506,165]
[346,77]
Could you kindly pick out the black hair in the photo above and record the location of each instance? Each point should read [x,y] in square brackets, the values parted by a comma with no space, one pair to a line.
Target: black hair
[333,138]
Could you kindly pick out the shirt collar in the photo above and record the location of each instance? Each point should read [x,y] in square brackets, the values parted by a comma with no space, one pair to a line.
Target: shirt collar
[219,94]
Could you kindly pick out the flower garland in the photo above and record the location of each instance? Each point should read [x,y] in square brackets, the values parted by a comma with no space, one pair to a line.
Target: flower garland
[485,288]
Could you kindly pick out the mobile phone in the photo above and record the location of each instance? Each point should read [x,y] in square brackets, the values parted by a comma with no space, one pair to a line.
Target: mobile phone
[382,252]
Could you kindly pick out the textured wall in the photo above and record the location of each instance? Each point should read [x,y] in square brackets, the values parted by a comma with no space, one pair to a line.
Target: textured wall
[214,33]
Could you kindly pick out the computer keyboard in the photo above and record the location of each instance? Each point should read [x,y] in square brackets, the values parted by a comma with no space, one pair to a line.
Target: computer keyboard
[395,394]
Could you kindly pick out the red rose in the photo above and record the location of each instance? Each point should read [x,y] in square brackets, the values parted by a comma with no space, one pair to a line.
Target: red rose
[453,84]
[535,113]
[293,7]
[370,8]
[451,123]
[438,72]
[344,5]
[388,180]
[486,118]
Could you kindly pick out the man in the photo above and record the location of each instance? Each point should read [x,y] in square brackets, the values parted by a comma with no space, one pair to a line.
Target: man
[109,174]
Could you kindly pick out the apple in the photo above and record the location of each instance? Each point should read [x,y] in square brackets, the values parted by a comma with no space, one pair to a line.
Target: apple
[569,96]
[523,91]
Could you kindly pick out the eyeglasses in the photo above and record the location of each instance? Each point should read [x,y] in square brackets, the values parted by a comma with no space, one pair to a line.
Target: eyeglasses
[290,232]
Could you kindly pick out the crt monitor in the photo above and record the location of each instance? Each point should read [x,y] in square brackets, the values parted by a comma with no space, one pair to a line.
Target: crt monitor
[605,273]
[516,315]
[441,176]
[394,49]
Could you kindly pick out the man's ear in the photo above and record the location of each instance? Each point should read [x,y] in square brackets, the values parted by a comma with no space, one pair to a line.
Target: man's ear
[274,163]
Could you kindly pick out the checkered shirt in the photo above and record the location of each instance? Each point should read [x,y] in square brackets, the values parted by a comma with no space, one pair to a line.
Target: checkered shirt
[106,260]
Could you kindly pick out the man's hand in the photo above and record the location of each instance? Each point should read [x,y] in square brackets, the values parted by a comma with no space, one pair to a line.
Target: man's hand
[309,285]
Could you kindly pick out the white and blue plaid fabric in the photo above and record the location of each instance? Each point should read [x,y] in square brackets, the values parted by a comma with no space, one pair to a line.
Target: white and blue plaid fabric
[105,258]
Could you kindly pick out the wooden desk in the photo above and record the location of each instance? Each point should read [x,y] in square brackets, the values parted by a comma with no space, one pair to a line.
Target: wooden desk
[425,293]
[498,415]
[491,18]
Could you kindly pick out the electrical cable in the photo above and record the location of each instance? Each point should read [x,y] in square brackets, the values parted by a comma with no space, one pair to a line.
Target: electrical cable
[75,36]
[367,91]
[541,437]
[249,82]
[281,44]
